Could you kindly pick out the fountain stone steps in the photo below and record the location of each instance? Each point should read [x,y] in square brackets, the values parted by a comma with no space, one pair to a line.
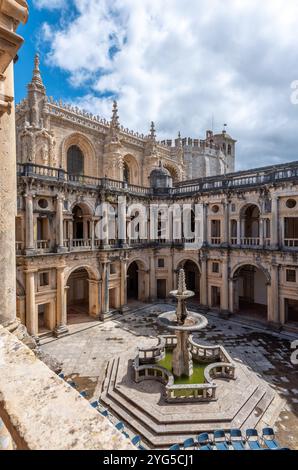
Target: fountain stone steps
[161,431]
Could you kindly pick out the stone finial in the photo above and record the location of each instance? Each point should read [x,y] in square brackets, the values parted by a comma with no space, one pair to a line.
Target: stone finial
[152,131]
[36,78]
[181,282]
[115,117]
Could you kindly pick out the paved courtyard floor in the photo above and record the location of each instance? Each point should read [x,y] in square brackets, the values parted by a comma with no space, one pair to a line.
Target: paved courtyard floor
[85,352]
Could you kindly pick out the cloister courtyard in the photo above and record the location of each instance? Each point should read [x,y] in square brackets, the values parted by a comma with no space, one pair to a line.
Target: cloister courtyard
[266,355]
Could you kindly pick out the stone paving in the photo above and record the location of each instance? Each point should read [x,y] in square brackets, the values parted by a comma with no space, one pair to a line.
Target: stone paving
[89,346]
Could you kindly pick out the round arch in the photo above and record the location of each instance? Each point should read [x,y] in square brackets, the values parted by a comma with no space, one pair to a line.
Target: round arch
[174,171]
[93,273]
[86,147]
[137,285]
[250,263]
[131,170]
[192,271]
[82,302]
[250,289]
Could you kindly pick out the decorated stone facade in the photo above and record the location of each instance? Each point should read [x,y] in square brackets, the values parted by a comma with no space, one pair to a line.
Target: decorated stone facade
[69,162]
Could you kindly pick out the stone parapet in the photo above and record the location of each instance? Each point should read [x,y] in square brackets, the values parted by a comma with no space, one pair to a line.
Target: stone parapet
[42,412]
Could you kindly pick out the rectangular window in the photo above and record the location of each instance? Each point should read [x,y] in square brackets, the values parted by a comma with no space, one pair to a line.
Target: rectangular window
[291,275]
[233,207]
[291,227]
[113,269]
[215,267]
[161,263]
[215,228]
[44,279]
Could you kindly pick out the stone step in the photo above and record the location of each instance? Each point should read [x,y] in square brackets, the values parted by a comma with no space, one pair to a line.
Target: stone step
[115,391]
[163,434]
[249,406]
[260,410]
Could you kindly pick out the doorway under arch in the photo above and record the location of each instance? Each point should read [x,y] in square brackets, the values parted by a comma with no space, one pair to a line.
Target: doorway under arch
[192,277]
[78,307]
[250,292]
[133,281]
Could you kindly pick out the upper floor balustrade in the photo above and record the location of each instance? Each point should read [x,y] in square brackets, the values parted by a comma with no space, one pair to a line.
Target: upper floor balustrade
[245,179]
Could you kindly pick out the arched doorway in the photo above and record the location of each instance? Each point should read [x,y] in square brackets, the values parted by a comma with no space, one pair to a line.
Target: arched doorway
[126,173]
[250,225]
[133,281]
[250,292]
[78,296]
[75,161]
[192,277]
[81,228]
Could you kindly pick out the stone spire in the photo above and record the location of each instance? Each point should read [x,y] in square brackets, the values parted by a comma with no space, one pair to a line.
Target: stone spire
[36,78]
[181,282]
[115,118]
[152,131]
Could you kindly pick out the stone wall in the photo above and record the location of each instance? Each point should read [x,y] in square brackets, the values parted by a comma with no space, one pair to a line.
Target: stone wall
[42,412]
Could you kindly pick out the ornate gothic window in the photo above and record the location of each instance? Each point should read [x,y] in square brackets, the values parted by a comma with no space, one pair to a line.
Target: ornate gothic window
[126,173]
[75,161]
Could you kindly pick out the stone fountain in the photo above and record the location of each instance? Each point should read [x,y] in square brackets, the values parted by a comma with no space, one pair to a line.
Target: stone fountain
[183,323]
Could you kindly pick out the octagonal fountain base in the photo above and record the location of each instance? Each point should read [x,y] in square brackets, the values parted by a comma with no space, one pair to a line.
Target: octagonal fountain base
[242,403]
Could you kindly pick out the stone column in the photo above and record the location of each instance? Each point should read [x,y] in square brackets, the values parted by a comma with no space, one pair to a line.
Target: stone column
[122,231]
[93,298]
[225,288]
[152,278]
[205,224]
[123,283]
[31,311]
[226,237]
[261,232]
[105,235]
[29,243]
[273,296]
[11,14]
[61,304]
[59,224]
[92,234]
[105,287]
[274,223]
[203,286]
[231,295]
[8,206]
[239,232]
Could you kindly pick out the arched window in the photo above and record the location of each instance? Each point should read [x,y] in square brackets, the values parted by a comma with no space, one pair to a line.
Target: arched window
[75,161]
[229,149]
[126,173]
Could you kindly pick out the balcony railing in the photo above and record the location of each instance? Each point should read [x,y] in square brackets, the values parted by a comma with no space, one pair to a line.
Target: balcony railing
[251,178]
[215,240]
[250,241]
[291,242]
[42,245]
[233,241]
[19,247]
[81,243]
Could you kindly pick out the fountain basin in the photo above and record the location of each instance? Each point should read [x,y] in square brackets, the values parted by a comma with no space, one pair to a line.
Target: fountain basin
[193,322]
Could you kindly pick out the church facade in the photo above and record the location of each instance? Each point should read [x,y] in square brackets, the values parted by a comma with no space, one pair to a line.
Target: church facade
[70,162]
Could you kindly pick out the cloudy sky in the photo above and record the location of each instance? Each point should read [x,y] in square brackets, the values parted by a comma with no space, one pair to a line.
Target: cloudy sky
[181,63]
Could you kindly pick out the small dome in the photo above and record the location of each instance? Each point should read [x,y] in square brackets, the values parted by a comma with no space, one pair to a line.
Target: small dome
[160,171]
[160,178]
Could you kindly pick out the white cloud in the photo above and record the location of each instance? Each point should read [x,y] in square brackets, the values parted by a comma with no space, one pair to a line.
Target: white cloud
[180,62]
[49,4]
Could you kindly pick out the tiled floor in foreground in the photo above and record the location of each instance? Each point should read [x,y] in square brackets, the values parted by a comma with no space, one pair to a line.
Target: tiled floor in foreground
[85,353]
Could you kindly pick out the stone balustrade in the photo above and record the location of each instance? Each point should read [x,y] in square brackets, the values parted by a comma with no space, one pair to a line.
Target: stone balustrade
[154,353]
[220,365]
[42,412]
